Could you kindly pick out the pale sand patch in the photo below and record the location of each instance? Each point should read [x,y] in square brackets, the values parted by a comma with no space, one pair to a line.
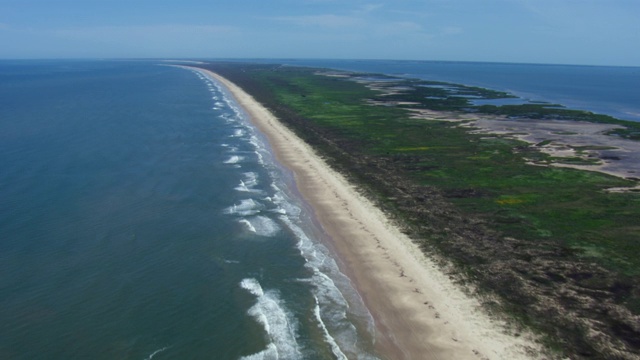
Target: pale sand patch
[419,312]
[391,103]
[615,156]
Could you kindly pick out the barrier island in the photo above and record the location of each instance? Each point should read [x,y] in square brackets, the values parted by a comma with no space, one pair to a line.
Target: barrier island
[533,208]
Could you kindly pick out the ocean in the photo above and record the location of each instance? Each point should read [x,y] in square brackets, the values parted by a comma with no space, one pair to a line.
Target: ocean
[143,217]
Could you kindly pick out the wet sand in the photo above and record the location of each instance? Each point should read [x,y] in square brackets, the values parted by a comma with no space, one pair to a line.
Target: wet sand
[419,312]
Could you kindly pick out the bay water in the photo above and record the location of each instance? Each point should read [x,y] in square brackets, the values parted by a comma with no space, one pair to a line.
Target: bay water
[610,90]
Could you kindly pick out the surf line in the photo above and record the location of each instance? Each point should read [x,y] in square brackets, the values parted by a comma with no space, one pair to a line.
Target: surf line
[156,353]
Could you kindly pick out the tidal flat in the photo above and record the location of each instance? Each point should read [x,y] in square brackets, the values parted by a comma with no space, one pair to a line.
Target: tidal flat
[525,216]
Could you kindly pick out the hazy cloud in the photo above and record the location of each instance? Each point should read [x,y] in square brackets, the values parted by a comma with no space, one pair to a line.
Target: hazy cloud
[133,32]
[326,21]
[135,41]
[370,7]
[405,26]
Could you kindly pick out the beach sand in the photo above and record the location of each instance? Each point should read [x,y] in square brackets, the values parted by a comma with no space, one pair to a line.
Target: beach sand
[419,312]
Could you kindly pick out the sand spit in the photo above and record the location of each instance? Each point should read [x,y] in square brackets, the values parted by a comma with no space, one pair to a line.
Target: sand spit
[420,313]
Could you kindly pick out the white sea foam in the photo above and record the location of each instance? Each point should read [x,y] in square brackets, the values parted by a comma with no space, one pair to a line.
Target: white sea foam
[332,311]
[286,206]
[253,286]
[249,183]
[279,211]
[248,225]
[260,157]
[251,179]
[278,324]
[260,148]
[332,304]
[228,118]
[335,348]
[242,187]
[253,140]
[234,159]
[238,133]
[246,207]
[261,225]
[155,353]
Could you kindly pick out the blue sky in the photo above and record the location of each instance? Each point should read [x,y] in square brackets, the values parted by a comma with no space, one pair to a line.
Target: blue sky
[594,32]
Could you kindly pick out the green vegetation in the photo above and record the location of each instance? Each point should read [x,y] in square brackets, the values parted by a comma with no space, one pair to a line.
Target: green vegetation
[532,235]
[545,111]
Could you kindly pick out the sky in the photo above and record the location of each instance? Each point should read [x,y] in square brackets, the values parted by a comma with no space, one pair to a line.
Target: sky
[585,32]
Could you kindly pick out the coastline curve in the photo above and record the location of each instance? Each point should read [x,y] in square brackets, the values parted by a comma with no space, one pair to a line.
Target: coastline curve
[419,311]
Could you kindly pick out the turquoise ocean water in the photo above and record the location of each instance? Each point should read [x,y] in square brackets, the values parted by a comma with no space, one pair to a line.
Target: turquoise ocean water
[141,217]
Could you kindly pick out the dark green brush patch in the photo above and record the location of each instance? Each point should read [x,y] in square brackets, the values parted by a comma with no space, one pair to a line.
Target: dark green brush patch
[532,235]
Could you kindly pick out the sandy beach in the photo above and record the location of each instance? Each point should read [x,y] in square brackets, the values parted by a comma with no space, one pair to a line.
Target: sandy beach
[419,312]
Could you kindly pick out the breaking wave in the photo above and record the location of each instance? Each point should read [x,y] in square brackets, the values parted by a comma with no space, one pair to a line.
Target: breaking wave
[278,324]
[246,207]
[234,159]
[261,225]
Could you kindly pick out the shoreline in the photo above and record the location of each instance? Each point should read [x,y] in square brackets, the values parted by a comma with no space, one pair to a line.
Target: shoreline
[419,312]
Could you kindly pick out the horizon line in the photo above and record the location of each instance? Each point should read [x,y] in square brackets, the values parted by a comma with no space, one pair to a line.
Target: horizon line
[249,59]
